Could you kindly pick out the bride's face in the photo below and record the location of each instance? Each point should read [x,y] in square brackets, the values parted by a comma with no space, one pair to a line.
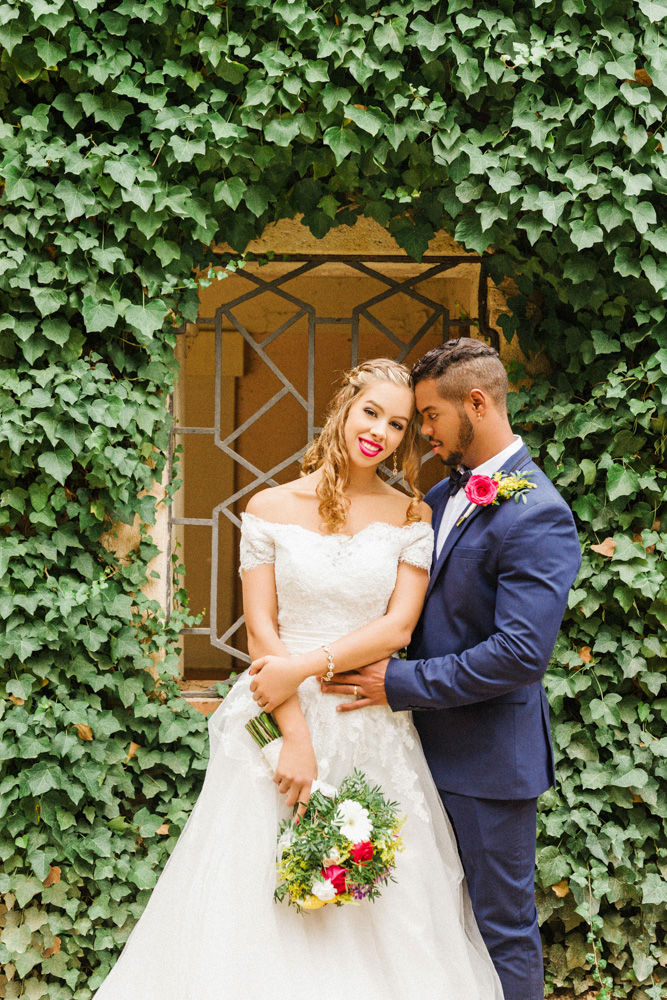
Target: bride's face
[376,423]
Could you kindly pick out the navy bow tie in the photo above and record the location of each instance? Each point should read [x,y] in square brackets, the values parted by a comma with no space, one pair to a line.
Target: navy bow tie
[457,480]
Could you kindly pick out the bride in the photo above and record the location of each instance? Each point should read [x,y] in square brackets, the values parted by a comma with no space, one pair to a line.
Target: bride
[337,559]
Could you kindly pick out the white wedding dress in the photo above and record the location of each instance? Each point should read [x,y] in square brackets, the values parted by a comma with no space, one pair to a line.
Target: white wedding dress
[211,929]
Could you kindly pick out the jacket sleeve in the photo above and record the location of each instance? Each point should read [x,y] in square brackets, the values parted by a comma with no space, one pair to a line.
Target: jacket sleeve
[538,561]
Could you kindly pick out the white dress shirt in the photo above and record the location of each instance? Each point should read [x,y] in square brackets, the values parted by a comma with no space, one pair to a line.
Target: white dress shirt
[457,504]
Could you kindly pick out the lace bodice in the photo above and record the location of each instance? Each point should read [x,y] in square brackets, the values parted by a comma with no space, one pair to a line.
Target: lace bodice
[333,584]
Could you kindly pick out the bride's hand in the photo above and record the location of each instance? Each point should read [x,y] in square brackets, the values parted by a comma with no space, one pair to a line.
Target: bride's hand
[296,771]
[276,678]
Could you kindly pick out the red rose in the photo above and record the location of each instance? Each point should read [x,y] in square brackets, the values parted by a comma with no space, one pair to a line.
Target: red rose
[481,490]
[362,852]
[336,875]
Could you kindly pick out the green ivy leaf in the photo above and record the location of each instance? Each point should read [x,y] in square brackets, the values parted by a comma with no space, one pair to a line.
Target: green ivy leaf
[634,778]
[621,482]
[643,214]
[431,37]
[166,251]
[333,95]
[390,35]
[653,11]
[469,232]
[25,888]
[185,150]
[258,198]
[57,330]
[585,235]
[42,777]
[371,120]
[10,34]
[413,239]
[282,131]
[654,889]
[98,316]
[503,180]
[125,643]
[601,90]
[552,205]
[49,52]
[48,300]
[58,463]
[143,875]
[342,141]
[146,318]
[655,271]
[230,191]
[611,214]
[98,841]
[75,200]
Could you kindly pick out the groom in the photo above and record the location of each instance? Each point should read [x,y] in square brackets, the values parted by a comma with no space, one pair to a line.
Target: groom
[496,598]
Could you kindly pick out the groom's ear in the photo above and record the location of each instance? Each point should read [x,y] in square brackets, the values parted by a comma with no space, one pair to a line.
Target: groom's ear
[478,402]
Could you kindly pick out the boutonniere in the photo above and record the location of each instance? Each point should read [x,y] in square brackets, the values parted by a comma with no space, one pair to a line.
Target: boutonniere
[485,491]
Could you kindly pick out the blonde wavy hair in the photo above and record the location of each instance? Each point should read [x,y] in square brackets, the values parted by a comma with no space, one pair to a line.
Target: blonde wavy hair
[329,452]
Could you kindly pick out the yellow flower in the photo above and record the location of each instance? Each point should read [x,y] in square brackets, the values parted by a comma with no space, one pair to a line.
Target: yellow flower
[511,484]
[311,903]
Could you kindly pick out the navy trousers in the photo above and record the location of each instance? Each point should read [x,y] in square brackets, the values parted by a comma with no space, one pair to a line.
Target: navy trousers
[496,840]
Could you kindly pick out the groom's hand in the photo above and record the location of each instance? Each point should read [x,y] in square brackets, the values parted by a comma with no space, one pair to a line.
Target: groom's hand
[369,684]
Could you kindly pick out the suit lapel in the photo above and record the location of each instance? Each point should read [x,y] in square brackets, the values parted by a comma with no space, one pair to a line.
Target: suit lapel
[522,458]
[438,515]
[449,543]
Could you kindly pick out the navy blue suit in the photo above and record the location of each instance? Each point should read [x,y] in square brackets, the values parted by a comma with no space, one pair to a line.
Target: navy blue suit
[494,605]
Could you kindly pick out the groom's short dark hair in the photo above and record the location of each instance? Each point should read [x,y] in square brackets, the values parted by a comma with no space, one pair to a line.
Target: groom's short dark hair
[460,365]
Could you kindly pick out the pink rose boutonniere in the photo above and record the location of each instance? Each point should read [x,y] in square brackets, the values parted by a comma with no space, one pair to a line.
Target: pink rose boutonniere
[481,490]
[485,491]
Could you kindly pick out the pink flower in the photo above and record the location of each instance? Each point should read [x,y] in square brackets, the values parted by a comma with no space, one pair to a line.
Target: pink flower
[362,852]
[336,875]
[481,490]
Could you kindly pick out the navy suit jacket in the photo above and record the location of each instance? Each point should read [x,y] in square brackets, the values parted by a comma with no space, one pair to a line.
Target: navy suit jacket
[494,605]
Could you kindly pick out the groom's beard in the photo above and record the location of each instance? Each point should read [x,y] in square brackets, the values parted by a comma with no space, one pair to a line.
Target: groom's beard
[466,438]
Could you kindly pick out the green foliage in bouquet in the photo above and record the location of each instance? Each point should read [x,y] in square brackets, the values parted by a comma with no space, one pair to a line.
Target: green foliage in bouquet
[134,133]
[342,850]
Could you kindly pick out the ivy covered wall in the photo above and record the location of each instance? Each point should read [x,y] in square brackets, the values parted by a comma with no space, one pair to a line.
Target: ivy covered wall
[134,135]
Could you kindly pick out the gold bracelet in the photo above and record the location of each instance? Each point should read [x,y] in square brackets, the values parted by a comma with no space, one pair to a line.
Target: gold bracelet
[330,661]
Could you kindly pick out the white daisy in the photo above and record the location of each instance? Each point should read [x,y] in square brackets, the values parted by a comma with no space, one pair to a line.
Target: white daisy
[355,821]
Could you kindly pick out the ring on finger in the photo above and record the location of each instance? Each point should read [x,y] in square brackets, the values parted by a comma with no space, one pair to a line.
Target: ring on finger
[355,691]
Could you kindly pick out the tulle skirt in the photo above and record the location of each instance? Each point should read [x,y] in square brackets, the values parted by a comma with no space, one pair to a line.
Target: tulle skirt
[211,929]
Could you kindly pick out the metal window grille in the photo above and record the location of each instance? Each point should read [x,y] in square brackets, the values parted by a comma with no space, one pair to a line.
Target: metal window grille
[438,319]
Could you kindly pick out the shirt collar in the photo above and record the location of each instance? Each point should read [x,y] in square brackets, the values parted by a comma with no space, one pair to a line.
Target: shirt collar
[496,463]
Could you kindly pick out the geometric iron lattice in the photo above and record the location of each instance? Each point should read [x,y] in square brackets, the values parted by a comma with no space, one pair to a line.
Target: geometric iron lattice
[438,321]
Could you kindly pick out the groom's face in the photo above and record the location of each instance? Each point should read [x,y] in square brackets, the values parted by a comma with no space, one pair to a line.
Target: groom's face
[446,425]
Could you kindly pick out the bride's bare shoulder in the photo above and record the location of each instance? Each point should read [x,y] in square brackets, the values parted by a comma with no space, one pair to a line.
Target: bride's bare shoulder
[399,504]
[273,503]
[425,512]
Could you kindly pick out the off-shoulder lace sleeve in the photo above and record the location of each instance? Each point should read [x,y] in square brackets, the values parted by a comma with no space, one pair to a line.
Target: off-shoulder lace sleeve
[257,543]
[418,545]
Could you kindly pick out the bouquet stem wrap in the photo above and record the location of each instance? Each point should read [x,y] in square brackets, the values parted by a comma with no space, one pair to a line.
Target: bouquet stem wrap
[267,735]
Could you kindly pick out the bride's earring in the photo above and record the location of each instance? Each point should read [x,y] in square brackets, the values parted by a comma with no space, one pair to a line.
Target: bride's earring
[395,465]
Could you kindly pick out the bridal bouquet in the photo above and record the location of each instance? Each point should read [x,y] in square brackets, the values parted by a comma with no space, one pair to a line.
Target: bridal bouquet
[344,848]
